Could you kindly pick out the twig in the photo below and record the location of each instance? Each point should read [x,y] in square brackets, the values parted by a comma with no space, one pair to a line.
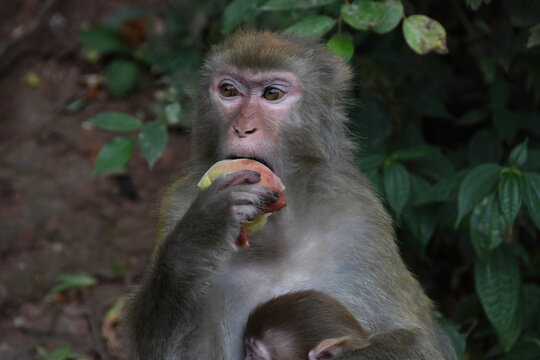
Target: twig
[30,29]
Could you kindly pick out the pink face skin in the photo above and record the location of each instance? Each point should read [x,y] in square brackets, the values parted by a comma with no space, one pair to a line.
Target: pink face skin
[253,106]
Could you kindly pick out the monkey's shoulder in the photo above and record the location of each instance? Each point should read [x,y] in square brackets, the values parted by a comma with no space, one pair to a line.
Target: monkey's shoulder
[175,200]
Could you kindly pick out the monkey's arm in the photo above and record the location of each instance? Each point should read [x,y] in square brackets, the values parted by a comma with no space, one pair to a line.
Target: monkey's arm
[164,310]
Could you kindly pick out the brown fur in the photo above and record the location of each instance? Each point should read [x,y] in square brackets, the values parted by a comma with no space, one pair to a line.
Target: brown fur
[303,319]
[334,236]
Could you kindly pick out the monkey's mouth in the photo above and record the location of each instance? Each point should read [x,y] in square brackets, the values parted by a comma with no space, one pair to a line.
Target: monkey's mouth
[258,159]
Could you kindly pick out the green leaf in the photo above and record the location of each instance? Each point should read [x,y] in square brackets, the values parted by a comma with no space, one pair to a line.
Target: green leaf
[56,354]
[312,26]
[459,341]
[531,304]
[274,5]
[375,179]
[510,335]
[397,186]
[487,226]
[518,156]
[476,185]
[435,166]
[153,140]
[424,35]
[115,121]
[446,189]
[114,154]
[419,185]
[121,77]
[68,282]
[172,113]
[532,196]
[472,117]
[421,221]
[380,17]
[498,285]
[76,105]
[510,195]
[371,161]
[341,46]
[414,152]
[103,40]
[392,13]
[506,123]
[534,37]
[239,11]
[525,349]
[361,14]
[484,147]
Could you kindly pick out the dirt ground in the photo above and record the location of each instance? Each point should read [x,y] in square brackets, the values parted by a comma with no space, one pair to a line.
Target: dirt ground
[55,216]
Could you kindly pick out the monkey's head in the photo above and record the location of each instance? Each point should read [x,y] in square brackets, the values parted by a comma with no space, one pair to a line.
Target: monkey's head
[306,324]
[275,98]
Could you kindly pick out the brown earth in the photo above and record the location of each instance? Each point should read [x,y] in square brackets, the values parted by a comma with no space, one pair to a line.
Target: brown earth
[55,216]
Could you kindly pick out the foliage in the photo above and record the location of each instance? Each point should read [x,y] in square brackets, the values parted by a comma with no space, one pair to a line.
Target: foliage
[71,282]
[447,121]
[57,354]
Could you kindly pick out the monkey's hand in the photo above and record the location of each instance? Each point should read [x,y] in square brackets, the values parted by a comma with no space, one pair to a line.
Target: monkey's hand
[230,201]
[267,179]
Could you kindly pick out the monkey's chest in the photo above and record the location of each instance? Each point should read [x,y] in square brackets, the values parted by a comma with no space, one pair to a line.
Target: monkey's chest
[241,285]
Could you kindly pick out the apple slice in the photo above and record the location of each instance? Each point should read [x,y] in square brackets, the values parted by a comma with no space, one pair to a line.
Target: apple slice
[268,179]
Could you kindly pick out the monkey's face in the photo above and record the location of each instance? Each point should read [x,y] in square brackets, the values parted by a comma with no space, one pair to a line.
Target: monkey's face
[253,108]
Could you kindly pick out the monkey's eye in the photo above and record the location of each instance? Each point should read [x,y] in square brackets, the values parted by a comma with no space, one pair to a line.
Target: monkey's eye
[228,90]
[272,93]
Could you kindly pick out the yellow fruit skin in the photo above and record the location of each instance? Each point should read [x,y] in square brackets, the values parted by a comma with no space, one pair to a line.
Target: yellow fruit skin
[257,224]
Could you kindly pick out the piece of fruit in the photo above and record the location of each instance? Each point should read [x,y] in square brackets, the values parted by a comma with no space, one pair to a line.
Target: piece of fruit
[268,179]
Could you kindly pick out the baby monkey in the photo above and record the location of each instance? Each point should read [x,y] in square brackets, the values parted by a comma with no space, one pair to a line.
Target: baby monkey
[302,325]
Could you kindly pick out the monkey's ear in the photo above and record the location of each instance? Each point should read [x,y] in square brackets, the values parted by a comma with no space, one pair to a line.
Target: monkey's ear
[328,348]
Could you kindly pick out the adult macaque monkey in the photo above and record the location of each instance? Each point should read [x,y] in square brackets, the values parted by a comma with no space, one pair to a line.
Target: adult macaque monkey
[302,325]
[280,100]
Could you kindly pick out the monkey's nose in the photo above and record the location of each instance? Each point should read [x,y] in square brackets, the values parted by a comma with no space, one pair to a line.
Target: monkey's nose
[244,132]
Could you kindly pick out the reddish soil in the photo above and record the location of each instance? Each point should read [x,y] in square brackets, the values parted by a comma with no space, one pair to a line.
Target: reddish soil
[55,216]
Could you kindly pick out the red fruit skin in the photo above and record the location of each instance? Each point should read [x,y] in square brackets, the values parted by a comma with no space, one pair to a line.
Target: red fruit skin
[243,238]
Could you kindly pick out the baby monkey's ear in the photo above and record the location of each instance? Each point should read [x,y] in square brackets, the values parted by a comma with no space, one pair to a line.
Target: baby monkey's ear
[329,348]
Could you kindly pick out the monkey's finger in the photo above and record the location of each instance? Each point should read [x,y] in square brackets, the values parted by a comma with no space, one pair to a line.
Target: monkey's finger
[238,178]
[244,213]
[259,195]
[243,196]
[270,196]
